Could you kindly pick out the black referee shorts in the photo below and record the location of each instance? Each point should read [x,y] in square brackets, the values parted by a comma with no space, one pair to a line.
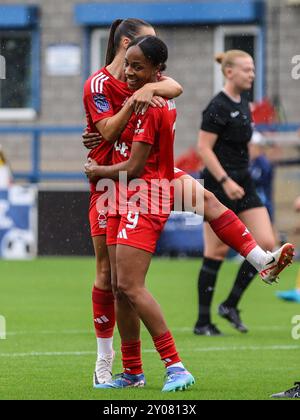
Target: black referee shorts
[251,199]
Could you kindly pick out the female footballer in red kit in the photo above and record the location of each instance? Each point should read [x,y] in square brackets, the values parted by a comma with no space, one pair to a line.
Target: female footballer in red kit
[132,235]
[105,93]
[145,151]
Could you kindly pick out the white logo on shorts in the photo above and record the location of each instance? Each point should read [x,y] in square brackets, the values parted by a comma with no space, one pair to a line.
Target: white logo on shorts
[123,234]
[102,219]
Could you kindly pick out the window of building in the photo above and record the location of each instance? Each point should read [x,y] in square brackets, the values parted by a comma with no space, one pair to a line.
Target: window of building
[246,38]
[17,90]
[99,40]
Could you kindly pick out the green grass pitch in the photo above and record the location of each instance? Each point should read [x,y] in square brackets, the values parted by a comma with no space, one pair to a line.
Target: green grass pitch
[49,352]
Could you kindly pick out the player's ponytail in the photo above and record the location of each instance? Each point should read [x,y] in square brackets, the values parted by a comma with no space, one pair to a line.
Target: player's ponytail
[154,49]
[129,28]
[110,52]
[228,58]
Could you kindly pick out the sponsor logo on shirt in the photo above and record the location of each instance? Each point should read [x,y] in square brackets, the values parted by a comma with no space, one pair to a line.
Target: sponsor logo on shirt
[138,128]
[235,114]
[101,103]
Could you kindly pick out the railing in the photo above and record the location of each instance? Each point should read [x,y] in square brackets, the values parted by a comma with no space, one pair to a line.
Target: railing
[36,175]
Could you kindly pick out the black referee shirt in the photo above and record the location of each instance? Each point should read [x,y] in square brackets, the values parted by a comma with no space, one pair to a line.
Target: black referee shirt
[232,122]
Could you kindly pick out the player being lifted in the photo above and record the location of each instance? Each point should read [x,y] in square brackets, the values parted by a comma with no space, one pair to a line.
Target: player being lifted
[223,221]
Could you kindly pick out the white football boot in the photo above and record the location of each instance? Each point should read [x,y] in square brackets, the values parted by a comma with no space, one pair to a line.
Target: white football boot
[103,370]
[279,260]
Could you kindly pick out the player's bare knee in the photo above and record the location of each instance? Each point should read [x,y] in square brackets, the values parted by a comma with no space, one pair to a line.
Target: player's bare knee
[103,278]
[218,253]
[128,290]
[211,203]
[104,273]
[267,244]
[119,296]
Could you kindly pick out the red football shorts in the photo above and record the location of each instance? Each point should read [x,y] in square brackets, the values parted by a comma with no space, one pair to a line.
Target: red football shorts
[97,216]
[137,230]
[151,223]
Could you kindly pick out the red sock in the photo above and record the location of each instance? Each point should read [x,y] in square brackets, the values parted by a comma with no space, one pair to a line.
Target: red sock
[165,345]
[132,357]
[232,231]
[104,313]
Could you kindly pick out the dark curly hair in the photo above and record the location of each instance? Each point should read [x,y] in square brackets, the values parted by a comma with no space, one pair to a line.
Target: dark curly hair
[154,49]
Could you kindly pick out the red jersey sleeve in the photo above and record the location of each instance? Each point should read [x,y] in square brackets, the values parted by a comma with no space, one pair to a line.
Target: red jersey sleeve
[97,98]
[147,126]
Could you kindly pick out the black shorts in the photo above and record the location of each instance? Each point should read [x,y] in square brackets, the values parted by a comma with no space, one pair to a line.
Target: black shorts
[251,199]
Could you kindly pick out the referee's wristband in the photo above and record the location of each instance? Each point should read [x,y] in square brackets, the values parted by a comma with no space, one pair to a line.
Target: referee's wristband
[223,180]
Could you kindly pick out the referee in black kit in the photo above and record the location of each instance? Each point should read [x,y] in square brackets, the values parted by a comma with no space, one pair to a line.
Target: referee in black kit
[223,140]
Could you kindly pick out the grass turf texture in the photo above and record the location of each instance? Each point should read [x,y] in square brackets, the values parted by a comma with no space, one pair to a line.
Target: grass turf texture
[50,345]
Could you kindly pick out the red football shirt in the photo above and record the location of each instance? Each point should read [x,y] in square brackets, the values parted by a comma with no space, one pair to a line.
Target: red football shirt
[103,97]
[157,128]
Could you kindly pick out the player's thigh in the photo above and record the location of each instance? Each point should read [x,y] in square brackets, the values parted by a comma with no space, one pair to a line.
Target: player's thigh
[214,248]
[259,223]
[191,193]
[132,267]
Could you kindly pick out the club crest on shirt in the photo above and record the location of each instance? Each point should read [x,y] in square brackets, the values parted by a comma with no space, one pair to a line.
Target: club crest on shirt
[101,103]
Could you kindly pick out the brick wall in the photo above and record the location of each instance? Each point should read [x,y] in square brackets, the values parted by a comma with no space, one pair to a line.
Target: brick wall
[283,36]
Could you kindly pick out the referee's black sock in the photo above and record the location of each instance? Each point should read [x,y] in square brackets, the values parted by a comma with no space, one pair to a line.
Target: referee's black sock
[244,278]
[206,287]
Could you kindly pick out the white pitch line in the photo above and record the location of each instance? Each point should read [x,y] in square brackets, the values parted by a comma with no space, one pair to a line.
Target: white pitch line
[53,332]
[274,347]
[261,328]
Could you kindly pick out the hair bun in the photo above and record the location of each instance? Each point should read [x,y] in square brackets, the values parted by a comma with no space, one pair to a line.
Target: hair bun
[163,67]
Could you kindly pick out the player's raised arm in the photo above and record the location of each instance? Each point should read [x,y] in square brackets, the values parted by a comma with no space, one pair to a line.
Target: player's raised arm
[150,94]
[142,142]
[111,128]
[167,88]
[153,94]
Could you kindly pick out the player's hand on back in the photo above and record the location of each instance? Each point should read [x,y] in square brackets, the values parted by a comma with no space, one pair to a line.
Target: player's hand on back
[233,190]
[91,140]
[144,97]
[158,102]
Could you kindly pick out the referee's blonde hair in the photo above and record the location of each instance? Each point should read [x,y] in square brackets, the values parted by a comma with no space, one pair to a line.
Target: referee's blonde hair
[228,58]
